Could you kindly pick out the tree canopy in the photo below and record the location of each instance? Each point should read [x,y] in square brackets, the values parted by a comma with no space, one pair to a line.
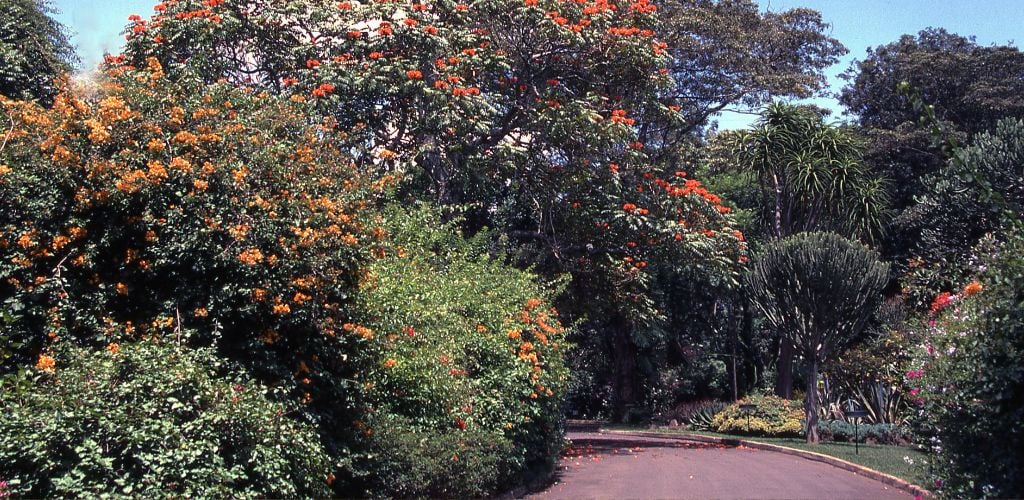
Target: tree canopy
[34,50]
[819,290]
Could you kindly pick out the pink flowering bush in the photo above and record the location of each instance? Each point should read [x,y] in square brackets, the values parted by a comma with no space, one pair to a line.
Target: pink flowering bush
[967,380]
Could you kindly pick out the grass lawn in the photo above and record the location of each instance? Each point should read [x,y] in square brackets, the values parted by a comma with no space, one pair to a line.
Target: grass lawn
[892,460]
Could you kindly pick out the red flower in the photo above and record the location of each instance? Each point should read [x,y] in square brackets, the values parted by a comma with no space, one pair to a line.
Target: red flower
[414,74]
[323,90]
[941,301]
[312,63]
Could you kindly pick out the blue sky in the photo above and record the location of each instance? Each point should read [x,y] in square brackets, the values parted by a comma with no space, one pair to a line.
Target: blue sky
[859,24]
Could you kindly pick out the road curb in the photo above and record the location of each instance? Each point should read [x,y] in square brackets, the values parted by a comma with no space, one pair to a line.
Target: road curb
[809,455]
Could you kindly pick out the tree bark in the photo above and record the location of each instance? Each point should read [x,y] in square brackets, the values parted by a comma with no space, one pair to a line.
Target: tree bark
[811,402]
[784,367]
[626,381]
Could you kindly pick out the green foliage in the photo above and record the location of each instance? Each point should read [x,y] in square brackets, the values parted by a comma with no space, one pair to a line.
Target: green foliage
[964,204]
[34,50]
[968,377]
[783,54]
[872,374]
[465,355]
[842,431]
[970,86]
[153,420]
[700,416]
[810,174]
[438,464]
[771,416]
[819,289]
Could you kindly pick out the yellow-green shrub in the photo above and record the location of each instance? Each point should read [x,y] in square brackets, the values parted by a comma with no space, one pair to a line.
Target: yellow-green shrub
[772,416]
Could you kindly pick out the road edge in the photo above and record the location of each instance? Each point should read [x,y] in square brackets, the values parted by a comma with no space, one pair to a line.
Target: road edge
[809,455]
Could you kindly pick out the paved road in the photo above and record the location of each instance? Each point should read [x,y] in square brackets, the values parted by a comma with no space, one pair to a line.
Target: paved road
[613,467]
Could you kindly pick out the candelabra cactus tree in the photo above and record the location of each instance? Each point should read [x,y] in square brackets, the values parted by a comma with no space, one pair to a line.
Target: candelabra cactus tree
[817,289]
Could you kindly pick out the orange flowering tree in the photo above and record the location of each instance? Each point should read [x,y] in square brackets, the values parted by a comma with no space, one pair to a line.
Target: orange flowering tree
[525,114]
[171,214]
[186,214]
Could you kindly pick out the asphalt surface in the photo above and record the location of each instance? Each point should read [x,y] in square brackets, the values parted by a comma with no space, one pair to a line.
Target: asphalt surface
[620,467]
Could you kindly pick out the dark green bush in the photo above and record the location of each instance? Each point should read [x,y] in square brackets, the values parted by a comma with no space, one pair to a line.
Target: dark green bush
[154,420]
[442,464]
[772,416]
[969,382]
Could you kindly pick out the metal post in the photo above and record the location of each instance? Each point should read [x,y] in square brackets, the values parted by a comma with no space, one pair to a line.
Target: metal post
[856,415]
[747,408]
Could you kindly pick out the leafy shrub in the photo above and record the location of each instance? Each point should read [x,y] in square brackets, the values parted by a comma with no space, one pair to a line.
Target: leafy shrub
[464,358]
[772,416]
[151,207]
[703,417]
[154,420]
[699,415]
[442,464]
[968,379]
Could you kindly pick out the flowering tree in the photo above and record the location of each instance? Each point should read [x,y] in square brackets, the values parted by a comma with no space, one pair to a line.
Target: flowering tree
[525,115]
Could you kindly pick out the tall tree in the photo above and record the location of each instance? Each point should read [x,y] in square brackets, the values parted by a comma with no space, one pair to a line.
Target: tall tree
[819,290]
[727,54]
[810,174]
[970,87]
[34,50]
[810,177]
[533,117]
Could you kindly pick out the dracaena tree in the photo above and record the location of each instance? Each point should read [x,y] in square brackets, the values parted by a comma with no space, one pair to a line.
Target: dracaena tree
[818,290]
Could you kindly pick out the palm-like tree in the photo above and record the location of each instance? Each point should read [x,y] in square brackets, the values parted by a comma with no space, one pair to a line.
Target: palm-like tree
[812,179]
[811,175]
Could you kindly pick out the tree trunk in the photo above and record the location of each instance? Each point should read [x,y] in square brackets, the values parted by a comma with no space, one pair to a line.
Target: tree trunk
[626,382]
[784,381]
[811,402]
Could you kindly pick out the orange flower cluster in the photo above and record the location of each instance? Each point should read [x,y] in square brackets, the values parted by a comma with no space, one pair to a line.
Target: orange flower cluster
[619,116]
[46,363]
[973,288]
[323,90]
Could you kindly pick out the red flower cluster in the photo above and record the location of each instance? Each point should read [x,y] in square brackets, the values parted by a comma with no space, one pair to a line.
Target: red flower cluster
[619,116]
[941,302]
[323,90]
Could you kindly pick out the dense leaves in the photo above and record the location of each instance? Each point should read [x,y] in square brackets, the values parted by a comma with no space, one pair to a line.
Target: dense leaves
[969,379]
[964,204]
[810,175]
[154,419]
[818,290]
[34,50]
[464,361]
